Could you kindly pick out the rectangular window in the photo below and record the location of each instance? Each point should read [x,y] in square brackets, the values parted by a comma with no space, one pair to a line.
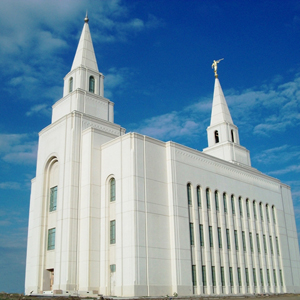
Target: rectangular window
[204,275]
[271,245]
[213,275]
[247,276]
[281,278]
[244,240]
[222,276]
[247,207]
[240,207]
[274,274]
[51,239]
[53,198]
[230,276]
[232,205]
[207,199]
[228,238]
[201,235]
[192,233]
[194,275]
[220,237]
[217,200]
[258,245]
[236,240]
[113,232]
[211,242]
[112,190]
[251,241]
[261,277]
[268,277]
[254,277]
[239,276]
[265,243]
[225,203]
[199,196]
[277,245]
[113,268]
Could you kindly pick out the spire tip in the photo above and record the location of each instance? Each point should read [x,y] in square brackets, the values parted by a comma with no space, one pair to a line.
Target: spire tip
[86,19]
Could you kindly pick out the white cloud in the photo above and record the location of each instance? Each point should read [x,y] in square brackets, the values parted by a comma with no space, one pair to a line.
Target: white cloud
[289,169]
[42,109]
[10,185]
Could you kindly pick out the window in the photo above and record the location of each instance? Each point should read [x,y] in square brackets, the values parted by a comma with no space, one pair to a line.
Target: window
[274,274]
[244,240]
[194,275]
[247,276]
[247,208]
[273,213]
[281,278]
[254,277]
[261,277]
[189,194]
[113,268]
[201,235]
[51,239]
[232,205]
[251,241]
[261,211]
[199,196]
[113,232]
[213,275]
[254,210]
[53,198]
[112,190]
[192,233]
[92,84]
[222,276]
[224,202]
[271,245]
[216,136]
[232,135]
[240,206]
[220,237]
[277,245]
[211,242]
[230,276]
[204,275]
[228,238]
[217,200]
[268,277]
[267,212]
[258,245]
[236,240]
[265,243]
[71,85]
[207,199]
[239,276]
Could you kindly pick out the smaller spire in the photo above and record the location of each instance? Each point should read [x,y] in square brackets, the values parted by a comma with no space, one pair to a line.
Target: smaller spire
[86,19]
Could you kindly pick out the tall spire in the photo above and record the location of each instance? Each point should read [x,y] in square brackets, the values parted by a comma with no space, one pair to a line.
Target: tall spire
[85,54]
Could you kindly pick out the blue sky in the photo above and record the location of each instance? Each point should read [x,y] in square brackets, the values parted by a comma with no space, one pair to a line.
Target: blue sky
[156,56]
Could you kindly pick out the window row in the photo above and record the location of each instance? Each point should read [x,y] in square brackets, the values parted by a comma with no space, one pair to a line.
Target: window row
[91,84]
[232,204]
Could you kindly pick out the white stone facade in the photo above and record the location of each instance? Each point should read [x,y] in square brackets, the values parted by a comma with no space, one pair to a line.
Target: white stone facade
[127,215]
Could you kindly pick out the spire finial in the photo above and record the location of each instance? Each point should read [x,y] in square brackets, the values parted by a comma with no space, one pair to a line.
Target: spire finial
[86,19]
[215,66]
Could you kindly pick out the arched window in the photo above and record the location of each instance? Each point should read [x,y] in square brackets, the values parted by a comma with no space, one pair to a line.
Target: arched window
[267,212]
[216,136]
[112,188]
[232,135]
[261,211]
[189,193]
[92,84]
[71,85]
[241,206]
[199,195]
[53,174]
[217,200]
[254,210]
[225,202]
[232,205]
[247,207]
[273,213]
[207,198]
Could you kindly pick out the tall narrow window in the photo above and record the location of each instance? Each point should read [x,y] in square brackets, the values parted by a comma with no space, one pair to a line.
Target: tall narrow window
[271,245]
[112,268]
[274,274]
[281,278]
[247,207]
[225,202]
[232,135]
[194,275]
[51,239]
[261,211]
[199,196]
[254,210]
[228,238]
[236,240]
[273,214]
[244,240]
[240,206]
[268,277]
[261,277]
[267,212]
[258,244]
[201,235]
[92,84]
[207,199]
[211,242]
[251,241]
[254,277]
[265,243]
[247,276]
[230,276]
[220,237]
[232,205]
[204,275]
[113,232]
[222,276]
[192,233]
[216,136]
[217,200]
[277,245]
[213,275]
[112,184]
[239,276]
[53,198]
[71,85]
[189,193]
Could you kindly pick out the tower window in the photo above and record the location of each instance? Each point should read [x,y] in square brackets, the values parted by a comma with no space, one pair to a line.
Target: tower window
[113,232]
[112,190]
[51,239]
[189,194]
[71,85]
[92,84]
[216,136]
[232,135]
[53,198]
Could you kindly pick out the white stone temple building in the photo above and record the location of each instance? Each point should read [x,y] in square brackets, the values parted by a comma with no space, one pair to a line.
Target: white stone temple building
[128,215]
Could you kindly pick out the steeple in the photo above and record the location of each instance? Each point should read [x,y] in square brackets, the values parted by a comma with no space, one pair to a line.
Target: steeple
[222,134]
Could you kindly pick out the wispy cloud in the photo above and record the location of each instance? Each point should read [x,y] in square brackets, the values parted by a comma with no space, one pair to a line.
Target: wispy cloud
[42,109]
